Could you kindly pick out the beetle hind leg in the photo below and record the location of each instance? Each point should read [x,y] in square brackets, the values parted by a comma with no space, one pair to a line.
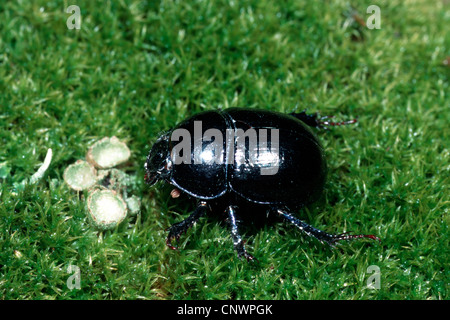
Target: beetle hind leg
[236,237]
[322,236]
[179,228]
[316,121]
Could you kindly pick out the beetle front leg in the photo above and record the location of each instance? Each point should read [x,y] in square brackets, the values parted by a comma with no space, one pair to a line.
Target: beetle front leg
[322,236]
[236,237]
[179,228]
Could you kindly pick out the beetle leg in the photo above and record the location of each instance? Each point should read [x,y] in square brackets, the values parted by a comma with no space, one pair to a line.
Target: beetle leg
[322,236]
[237,239]
[316,121]
[324,123]
[177,229]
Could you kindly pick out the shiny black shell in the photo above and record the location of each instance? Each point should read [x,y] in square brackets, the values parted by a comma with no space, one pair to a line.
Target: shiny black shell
[301,165]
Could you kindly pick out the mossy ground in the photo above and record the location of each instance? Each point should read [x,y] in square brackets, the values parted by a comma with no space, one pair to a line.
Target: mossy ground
[136,68]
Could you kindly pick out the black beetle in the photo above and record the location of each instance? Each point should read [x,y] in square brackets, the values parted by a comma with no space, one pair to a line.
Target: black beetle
[226,158]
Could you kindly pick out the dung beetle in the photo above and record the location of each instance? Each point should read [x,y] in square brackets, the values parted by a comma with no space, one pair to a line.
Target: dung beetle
[226,160]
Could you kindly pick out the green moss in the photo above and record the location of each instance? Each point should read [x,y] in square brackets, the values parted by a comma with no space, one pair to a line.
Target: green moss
[136,68]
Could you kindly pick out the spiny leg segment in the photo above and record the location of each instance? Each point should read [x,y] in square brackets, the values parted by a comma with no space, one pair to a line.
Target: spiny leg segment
[236,237]
[179,228]
[316,121]
[322,236]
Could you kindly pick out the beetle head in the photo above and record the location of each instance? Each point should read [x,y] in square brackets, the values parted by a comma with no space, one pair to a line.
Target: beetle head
[158,165]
